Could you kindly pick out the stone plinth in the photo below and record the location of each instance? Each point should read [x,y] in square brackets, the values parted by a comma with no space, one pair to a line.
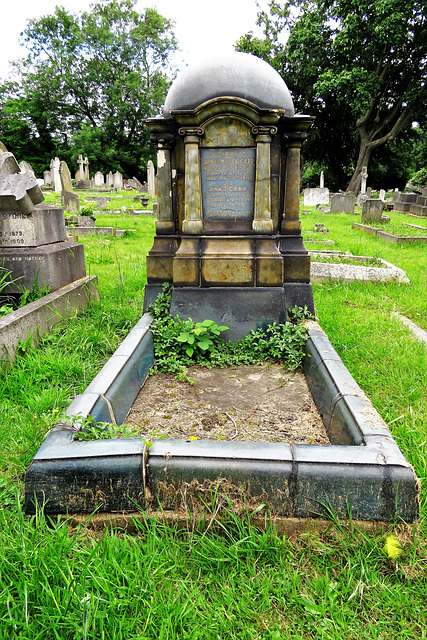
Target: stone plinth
[53,265]
[44,225]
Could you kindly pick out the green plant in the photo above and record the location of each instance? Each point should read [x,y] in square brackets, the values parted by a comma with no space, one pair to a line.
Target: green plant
[200,336]
[91,430]
[419,179]
[87,210]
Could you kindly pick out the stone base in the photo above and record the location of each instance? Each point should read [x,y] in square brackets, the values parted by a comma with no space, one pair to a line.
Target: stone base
[243,309]
[53,265]
[44,225]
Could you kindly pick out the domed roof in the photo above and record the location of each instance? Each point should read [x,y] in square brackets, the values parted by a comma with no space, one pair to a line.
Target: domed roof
[238,75]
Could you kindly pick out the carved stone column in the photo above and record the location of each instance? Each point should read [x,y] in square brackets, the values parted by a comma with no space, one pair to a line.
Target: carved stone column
[262,222]
[291,223]
[164,222]
[192,223]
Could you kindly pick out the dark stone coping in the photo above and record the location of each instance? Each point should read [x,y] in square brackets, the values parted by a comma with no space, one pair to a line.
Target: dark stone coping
[362,470]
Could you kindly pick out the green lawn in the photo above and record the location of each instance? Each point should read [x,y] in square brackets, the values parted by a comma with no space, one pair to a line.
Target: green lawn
[233,581]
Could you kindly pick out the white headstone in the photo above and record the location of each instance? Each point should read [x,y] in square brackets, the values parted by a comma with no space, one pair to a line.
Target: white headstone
[99,179]
[364,180]
[151,179]
[47,178]
[56,178]
[322,180]
[315,196]
[118,181]
[382,194]
[109,180]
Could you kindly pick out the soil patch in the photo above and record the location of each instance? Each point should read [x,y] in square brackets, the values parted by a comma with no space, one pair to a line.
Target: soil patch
[264,403]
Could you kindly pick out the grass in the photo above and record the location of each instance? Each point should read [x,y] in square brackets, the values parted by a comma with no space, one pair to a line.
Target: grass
[233,581]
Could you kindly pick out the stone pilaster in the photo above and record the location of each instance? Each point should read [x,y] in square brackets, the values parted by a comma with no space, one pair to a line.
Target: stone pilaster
[192,223]
[291,223]
[262,222]
[165,223]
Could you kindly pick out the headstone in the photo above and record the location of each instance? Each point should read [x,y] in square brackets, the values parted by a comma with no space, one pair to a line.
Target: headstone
[47,178]
[137,184]
[322,180]
[86,169]
[56,178]
[342,203]
[316,195]
[109,179]
[78,176]
[118,181]
[382,195]
[99,179]
[25,167]
[151,179]
[70,201]
[372,210]
[228,233]
[102,202]
[364,179]
[65,175]
[33,243]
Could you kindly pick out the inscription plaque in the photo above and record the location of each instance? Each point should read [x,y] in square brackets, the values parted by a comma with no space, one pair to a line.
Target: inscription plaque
[228,183]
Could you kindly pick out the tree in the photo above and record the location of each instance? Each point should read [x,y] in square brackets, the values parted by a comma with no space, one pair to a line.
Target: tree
[91,79]
[359,66]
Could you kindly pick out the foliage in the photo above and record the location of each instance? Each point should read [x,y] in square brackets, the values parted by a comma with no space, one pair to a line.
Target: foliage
[8,303]
[359,67]
[177,343]
[87,84]
[91,430]
[419,179]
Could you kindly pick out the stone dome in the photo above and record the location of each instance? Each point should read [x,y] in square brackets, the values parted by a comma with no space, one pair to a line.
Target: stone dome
[237,75]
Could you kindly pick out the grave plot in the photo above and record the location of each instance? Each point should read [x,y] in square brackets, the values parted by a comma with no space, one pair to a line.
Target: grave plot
[228,241]
[336,265]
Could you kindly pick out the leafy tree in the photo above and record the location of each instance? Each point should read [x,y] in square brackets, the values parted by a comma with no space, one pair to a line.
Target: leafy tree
[359,66]
[91,79]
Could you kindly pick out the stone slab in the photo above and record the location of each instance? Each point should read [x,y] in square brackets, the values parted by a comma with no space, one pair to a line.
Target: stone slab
[45,225]
[316,195]
[343,203]
[53,265]
[38,317]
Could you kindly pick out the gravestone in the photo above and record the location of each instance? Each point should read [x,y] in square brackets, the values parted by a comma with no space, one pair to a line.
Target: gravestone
[228,233]
[70,201]
[372,210]
[382,195]
[343,203]
[109,180]
[364,178]
[118,181]
[47,178]
[151,179]
[65,176]
[25,167]
[33,243]
[322,180]
[315,195]
[99,179]
[56,178]
[137,185]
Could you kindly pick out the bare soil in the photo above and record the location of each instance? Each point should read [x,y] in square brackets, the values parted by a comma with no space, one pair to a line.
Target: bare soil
[264,403]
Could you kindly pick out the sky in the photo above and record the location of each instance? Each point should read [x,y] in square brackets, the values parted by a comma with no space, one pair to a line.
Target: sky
[204,28]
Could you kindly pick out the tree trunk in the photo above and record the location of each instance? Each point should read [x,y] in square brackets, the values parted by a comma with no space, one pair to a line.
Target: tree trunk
[365,152]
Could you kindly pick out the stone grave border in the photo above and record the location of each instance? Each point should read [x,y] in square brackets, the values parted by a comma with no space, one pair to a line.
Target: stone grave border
[364,473]
[324,271]
[37,318]
[388,237]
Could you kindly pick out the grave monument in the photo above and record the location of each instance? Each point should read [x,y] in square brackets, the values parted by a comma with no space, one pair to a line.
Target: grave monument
[33,244]
[228,234]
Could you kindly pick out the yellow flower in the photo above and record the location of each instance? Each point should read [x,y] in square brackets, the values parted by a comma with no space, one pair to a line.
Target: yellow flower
[192,438]
[392,548]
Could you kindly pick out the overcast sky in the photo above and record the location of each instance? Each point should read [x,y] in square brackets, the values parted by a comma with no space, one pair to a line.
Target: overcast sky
[203,27]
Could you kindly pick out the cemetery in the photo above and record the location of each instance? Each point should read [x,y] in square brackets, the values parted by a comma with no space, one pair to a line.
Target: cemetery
[213,409]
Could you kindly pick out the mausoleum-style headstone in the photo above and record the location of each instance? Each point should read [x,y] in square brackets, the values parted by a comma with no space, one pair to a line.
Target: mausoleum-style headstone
[228,234]
[33,244]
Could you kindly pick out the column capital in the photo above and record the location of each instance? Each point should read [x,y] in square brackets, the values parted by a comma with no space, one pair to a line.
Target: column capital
[191,134]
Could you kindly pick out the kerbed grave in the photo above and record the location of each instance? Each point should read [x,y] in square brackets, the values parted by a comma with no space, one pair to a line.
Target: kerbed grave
[228,240]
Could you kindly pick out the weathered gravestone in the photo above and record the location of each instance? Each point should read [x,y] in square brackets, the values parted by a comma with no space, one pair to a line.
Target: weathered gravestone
[364,179]
[69,199]
[99,179]
[342,203]
[151,179]
[25,167]
[33,243]
[372,211]
[118,181]
[228,234]
[109,180]
[56,178]
[65,176]
[315,195]
[47,178]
